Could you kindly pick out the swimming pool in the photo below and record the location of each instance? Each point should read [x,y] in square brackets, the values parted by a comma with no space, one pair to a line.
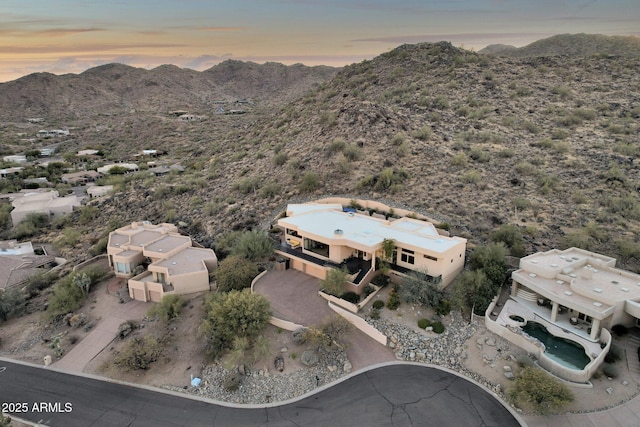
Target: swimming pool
[566,352]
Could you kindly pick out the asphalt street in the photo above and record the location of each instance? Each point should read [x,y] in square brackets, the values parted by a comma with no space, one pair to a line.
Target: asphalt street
[394,395]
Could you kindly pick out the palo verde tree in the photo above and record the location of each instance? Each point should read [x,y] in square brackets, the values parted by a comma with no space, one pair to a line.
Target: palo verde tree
[335,282]
[232,315]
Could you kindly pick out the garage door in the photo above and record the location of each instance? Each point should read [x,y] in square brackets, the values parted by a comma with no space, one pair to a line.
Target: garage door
[155,296]
[138,294]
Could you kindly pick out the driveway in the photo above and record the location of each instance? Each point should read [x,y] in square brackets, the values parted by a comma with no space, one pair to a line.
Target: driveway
[100,337]
[294,297]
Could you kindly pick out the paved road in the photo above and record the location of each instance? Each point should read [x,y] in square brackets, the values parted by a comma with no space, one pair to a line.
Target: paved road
[395,395]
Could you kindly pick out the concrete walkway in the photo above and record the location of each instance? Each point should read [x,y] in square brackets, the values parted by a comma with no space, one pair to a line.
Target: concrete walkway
[100,337]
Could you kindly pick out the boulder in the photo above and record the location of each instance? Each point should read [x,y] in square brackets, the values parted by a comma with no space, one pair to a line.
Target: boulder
[309,358]
[278,363]
[232,381]
[298,336]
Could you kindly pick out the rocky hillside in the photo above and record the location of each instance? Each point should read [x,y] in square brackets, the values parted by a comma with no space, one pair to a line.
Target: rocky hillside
[116,88]
[546,143]
[571,45]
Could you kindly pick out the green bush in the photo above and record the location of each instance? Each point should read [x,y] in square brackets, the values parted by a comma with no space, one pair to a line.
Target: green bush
[139,353]
[424,323]
[510,235]
[230,315]
[351,297]
[536,391]
[352,152]
[394,300]
[378,304]
[168,308]
[280,159]
[11,303]
[67,297]
[438,327]
[309,182]
[335,281]
[235,273]
[254,245]
[443,308]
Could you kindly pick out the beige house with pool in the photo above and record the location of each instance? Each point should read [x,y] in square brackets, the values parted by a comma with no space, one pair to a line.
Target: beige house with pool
[318,237]
[174,265]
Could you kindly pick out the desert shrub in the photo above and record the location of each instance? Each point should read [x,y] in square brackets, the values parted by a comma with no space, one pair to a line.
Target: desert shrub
[609,370]
[39,282]
[351,297]
[168,308]
[327,118]
[270,190]
[479,155]
[247,185]
[11,302]
[471,177]
[438,327]
[30,226]
[254,245]
[510,235]
[375,313]
[67,297]
[280,159]
[235,273]
[381,280]
[378,304]
[394,300]
[337,145]
[536,391]
[330,331]
[460,159]
[230,315]
[443,308]
[424,323]
[100,247]
[140,353]
[352,152]
[418,287]
[309,182]
[335,281]
[368,290]
[614,354]
[423,133]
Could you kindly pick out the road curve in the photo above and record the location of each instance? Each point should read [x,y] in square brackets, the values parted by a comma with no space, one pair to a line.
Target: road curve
[390,395]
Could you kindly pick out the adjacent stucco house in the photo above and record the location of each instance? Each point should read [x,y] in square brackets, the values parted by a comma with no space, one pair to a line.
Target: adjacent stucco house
[174,265]
[578,285]
[48,203]
[319,236]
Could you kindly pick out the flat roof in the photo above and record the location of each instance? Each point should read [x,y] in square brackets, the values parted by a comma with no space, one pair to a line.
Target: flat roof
[187,260]
[116,239]
[369,231]
[144,237]
[589,274]
[167,243]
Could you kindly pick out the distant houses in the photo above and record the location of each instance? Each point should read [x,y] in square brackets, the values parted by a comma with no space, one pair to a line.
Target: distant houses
[125,167]
[82,177]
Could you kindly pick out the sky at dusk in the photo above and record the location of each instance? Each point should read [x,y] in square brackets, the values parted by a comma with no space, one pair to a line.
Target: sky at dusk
[69,36]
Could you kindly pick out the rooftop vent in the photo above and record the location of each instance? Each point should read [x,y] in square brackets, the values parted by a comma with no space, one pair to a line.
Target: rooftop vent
[573,276]
[568,293]
[562,257]
[173,263]
[534,261]
[559,282]
[598,290]
[575,258]
[615,282]
[338,231]
[624,289]
[532,274]
[597,304]
[554,265]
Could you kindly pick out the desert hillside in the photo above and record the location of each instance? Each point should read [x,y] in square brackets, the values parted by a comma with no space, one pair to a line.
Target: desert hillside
[546,143]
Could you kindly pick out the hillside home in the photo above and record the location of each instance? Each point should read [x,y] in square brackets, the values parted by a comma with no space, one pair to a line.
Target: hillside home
[81,177]
[128,167]
[318,237]
[46,202]
[16,158]
[99,190]
[174,265]
[579,290]
[562,305]
[9,172]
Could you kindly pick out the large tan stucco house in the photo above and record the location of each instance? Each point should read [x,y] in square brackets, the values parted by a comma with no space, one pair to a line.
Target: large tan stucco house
[174,265]
[570,295]
[319,236]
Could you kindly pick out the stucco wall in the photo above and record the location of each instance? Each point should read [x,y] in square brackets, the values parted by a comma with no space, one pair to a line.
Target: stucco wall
[361,324]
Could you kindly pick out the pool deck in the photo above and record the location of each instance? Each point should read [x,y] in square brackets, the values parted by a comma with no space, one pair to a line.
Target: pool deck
[512,307]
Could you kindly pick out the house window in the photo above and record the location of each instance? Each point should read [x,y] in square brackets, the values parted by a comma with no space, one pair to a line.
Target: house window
[316,247]
[407,256]
[431,258]
[293,233]
[121,267]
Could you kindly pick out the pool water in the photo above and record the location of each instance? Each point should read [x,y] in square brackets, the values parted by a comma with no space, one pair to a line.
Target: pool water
[566,352]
